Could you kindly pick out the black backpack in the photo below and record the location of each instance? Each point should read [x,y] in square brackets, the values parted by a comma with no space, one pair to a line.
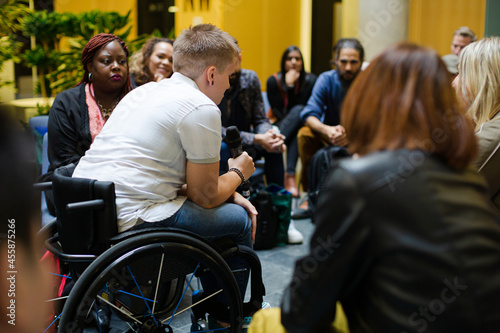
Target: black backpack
[320,165]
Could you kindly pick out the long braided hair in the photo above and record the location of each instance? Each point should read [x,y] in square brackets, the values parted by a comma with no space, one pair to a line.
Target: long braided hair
[90,50]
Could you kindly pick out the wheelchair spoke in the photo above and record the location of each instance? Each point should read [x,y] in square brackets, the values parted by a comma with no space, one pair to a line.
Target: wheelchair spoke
[189,307]
[139,288]
[137,296]
[52,323]
[138,283]
[117,308]
[189,283]
[97,317]
[61,275]
[56,299]
[158,281]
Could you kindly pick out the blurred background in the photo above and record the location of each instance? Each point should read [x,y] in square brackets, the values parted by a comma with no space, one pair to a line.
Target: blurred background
[41,40]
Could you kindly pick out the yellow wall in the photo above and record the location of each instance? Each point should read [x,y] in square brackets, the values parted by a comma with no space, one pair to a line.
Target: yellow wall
[120,6]
[350,19]
[187,16]
[263,28]
[432,22]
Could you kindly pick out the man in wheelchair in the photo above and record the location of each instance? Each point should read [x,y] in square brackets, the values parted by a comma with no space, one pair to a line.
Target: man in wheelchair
[161,145]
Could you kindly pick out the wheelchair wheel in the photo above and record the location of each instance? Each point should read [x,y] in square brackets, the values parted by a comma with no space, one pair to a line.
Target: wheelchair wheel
[139,285]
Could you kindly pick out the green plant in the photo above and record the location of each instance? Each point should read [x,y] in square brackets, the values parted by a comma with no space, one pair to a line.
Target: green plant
[60,38]
[11,14]
[42,109]
[49,28]
[70,71]
[60,68]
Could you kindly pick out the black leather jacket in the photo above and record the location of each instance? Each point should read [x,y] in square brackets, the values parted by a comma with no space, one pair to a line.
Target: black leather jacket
[406,244]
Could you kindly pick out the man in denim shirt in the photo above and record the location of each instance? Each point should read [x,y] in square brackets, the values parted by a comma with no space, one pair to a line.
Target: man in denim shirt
[321,115]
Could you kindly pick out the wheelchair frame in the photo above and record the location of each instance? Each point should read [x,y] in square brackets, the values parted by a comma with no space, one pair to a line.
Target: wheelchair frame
[99,291]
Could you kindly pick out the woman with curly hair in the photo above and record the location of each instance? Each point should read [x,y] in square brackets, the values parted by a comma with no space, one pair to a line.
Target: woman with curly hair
[153,63]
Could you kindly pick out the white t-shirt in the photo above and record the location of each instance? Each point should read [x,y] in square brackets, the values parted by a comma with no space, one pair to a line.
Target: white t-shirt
[144,146]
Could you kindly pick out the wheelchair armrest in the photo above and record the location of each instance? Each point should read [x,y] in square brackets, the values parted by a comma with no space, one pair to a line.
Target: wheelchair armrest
[84,205]
[54,248]
[44,186]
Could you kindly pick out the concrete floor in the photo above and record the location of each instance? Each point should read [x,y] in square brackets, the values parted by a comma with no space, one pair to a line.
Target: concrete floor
[277,269]
[278,263]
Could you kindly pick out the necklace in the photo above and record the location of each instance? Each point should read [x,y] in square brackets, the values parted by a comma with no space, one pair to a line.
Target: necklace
[106,112]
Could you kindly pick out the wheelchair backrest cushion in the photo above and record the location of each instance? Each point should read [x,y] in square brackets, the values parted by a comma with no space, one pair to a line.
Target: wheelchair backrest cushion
[84,231]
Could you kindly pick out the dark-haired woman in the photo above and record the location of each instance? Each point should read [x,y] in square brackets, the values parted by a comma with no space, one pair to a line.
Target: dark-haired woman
[406,239]
[153,63]
[78,114]
[288,92]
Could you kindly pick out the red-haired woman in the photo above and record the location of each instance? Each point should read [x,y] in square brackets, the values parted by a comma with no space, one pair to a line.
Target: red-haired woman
[78,114]
[405,238]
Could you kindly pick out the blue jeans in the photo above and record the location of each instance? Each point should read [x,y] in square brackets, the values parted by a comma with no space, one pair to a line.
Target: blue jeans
[225,221]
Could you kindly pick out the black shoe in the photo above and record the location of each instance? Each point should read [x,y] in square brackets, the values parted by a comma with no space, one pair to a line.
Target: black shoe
[300,213]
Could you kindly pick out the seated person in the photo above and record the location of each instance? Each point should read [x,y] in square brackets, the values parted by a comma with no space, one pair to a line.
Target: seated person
[78,114]
[164,160]
[288,92]
[243,107]
[478,88]
[405,237]
[321,115]
[153,63]
[462,37]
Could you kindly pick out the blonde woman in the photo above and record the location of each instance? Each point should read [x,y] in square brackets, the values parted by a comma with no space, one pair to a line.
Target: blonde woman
[478,88]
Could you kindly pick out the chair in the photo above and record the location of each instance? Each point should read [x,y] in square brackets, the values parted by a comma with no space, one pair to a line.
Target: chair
[46,216]
[38,127]
[137,278]
[267,106]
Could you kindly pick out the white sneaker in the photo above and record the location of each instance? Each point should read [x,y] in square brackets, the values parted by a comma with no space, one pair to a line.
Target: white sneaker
[294,236]
[266,305]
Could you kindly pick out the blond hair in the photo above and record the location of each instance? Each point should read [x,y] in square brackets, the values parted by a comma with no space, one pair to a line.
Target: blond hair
[202,46]
[479,83]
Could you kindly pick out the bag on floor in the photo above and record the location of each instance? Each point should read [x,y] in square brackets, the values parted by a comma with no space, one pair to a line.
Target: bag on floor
[320,165]
[274,204]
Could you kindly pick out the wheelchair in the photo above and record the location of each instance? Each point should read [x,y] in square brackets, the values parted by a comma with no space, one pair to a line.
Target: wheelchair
[141,280]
